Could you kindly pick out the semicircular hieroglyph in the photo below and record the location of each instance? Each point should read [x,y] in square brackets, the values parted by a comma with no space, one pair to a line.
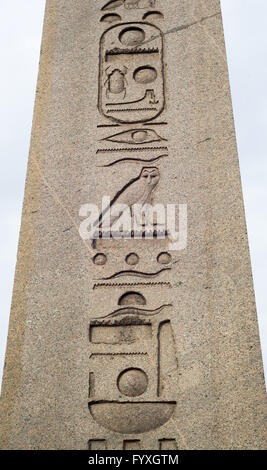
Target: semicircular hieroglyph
[131,417]
[153,15]
[110,18]
[132,298]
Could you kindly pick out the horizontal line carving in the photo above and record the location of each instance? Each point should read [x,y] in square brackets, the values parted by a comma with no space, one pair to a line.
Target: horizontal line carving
[131,149]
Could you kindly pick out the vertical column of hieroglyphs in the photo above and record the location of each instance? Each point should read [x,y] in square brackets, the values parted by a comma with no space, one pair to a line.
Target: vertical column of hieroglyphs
[133,363]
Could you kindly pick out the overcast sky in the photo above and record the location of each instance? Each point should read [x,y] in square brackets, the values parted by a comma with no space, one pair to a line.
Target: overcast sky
[246,42]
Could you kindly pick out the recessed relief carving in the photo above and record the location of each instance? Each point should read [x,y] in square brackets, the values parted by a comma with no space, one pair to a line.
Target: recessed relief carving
[164,258]
[142,274]
[145,74]
[97,444]
[130,149]
[133,365]
[130,110]
[167,444]
[156,124]
[132,382]
[91,390]
[112,4]
[149,98]
[167,362]
[104,285]
[132,298]
[153,15]
[128,51]
[119,354]
[132,417]
[116,82]
[125,312]
[129,4]
[132,259]
[110,18]
[134,444]
[135,137]
[145,275]
[125,334]
[136,367]
[133,160]
[141,4]
[132,36]
[100,259]
[131,77]
[136,191]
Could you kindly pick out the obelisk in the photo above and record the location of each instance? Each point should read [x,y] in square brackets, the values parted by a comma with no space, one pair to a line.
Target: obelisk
[135,342]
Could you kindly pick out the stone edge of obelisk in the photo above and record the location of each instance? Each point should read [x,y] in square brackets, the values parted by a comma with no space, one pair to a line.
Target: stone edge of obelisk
[27,239]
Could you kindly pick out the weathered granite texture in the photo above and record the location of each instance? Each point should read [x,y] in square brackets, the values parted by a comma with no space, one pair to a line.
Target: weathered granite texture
[178,364]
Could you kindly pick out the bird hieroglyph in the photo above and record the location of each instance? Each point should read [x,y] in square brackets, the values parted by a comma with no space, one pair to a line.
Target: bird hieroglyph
[137,192]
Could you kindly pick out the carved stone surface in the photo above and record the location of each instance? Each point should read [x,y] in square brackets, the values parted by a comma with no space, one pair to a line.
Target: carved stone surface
[124,343]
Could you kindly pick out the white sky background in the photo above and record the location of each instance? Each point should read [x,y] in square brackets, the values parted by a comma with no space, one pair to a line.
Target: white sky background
[245,27]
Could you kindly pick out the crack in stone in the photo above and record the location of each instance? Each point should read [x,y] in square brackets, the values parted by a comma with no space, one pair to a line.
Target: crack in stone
[182,27]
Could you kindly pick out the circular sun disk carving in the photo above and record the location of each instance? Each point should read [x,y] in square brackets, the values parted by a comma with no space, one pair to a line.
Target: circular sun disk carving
[164,258]
[132,382]
[100,259]
[144,75]
[132,259]
[132,36]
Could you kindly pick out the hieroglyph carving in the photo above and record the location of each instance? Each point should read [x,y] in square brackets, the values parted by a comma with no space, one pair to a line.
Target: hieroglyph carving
[134,367]
[135,137]
[131,75]
[137,191]
[129,4]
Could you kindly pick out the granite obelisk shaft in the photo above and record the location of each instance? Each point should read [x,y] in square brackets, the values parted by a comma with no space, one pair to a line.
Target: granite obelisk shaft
[133,344]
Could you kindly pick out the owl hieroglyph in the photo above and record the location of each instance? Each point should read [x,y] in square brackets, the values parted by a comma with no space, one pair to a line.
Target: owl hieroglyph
[137,191]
